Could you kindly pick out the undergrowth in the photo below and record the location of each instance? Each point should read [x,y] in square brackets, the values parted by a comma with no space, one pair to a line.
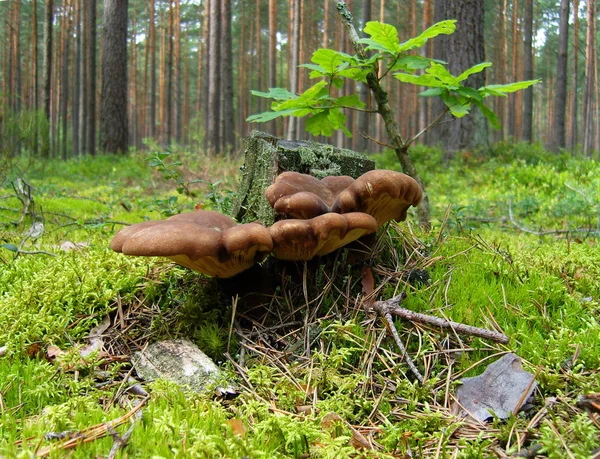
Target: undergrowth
[516,251]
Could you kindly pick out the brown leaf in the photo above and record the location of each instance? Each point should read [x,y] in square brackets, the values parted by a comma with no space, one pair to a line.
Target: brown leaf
[304,409]
[54,351]
[368,285]
[34,350]
[237,427]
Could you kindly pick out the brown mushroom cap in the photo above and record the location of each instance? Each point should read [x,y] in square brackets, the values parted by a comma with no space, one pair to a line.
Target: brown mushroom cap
[305,239]
[386,195]
[304,196]
[204,241]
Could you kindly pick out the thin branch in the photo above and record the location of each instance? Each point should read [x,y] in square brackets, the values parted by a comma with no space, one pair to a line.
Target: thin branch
[392,307]
[381,308]
[34,252]
[523,228]
[346,107]
[427,128]
[368,137]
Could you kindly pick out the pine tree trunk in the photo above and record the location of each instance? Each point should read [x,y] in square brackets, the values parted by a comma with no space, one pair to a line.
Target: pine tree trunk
[227,124]
[206,73]
[64,92]
[76,81]
[36,79]
[463,49]
[83,78]
[590,80]
[47,75]
[273,54]
[113,108]
[528,69]
[362,143]
[152,70]
[214,79]
[177,71]
[168,110]
[292,132]
[90,142]
[560,94]
[574,108]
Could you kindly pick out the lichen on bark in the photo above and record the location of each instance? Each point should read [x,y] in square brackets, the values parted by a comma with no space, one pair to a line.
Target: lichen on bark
[267,156]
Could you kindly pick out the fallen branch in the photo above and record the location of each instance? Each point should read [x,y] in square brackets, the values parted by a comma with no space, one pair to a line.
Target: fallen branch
[511,217]
[392,307]
[92,433]
[384,312]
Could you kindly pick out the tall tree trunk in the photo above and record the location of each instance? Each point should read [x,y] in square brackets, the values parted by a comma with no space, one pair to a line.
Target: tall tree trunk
[206,72]
[528,69]
[84,7]
[427,51]
[560,93]
[76,81]
[214,79]
[177,71]
[273,52]
[293,68]
[17,56]
[462,49]
[574,107]
[64,92]
[227,126]
[90,142]
[169,77]
[36,79]
[362,143]
[113,107]
[242,89]
[47,75]
[514,108]
[590,79]
[186,90]
[132,83]
[152,70]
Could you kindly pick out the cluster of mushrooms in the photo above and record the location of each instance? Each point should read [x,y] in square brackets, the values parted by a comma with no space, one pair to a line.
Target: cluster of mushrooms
[320,216]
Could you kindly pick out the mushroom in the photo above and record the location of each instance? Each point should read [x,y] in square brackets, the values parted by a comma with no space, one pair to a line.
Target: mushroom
[305,239]
[304,196]
[386,195]
[205,241]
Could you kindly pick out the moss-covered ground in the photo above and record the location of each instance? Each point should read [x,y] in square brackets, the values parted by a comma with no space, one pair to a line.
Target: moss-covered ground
[515,247]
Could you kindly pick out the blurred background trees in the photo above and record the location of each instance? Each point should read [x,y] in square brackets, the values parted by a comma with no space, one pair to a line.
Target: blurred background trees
[192,63]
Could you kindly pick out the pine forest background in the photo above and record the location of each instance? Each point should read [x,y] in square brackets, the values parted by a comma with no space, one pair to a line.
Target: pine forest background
[192,64]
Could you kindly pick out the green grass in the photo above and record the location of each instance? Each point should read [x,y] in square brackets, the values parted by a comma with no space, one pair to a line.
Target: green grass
[543,291]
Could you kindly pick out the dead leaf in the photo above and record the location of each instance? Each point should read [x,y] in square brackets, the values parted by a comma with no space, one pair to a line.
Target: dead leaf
[34,350]
[53,352]
[500,389]
[237,427]
[331,420]
[68,246]
[368,285]
[95,338]
[304,409]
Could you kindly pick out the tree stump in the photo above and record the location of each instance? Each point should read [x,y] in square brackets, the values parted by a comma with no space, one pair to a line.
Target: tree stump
[267,156]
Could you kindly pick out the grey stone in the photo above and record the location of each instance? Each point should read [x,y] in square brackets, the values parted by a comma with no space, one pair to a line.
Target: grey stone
[179,361]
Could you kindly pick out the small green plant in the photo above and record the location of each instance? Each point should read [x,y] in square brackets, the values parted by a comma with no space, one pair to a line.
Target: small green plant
[390,58]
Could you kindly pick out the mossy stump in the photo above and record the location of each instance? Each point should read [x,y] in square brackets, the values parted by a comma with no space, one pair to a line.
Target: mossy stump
[267,156]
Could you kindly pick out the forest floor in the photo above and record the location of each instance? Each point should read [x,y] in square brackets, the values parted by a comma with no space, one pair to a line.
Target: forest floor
[515,247]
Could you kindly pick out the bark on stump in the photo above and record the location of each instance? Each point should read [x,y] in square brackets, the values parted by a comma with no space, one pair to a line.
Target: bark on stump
[266,157]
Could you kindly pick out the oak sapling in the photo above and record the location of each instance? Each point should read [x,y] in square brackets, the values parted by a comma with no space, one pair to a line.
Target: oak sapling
[388,57]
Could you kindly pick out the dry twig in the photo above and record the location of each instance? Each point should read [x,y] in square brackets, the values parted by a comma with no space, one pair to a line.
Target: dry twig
[392,307]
